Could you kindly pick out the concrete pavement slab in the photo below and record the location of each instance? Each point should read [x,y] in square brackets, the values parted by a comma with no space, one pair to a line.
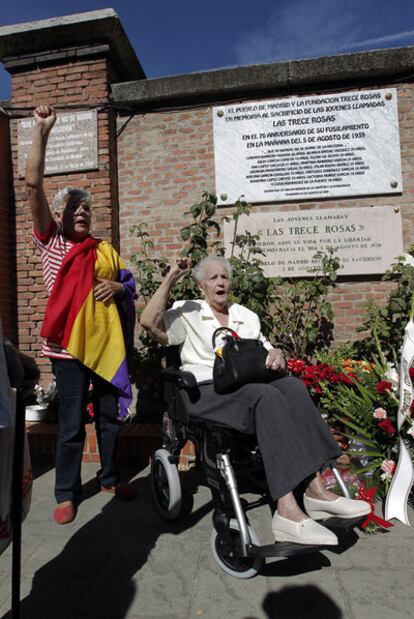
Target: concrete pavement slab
[379,592]
[121,560]
[217,594]
[157,582]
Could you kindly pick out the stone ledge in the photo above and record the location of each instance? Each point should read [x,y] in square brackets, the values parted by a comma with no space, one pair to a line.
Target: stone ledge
[266,79]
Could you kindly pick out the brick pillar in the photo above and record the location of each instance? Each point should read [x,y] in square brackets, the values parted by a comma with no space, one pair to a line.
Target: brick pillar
[75,73]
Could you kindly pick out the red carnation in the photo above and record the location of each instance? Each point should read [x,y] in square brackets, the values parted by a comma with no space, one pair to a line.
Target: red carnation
[387,426]
[90,410]
[296,365]
[383,386]
[347,379]
[411,371]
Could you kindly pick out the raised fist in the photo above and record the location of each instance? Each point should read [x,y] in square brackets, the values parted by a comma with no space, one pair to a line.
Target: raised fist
[181,267]
[45,117]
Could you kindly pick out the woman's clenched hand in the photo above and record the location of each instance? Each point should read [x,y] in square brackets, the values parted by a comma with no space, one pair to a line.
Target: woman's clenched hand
[179,269]
[105,289]
[45,117]
[276,360]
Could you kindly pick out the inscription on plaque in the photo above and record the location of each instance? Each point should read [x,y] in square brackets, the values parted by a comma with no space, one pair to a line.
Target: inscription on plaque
[346,144]
[366,240]
[72,145]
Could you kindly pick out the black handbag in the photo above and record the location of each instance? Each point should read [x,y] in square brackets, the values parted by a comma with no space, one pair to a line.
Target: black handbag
[238,362]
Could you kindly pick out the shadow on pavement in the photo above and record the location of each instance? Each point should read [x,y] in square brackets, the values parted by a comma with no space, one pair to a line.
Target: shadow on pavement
[41,465]
[92,576]
[293,566]
[300,602]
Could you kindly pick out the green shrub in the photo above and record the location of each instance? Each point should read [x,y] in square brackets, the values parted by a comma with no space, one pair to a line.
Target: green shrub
[385,323]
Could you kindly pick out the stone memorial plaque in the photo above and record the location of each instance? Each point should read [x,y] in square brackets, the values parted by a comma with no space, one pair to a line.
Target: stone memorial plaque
[345,144]
[72,145]
[367,239]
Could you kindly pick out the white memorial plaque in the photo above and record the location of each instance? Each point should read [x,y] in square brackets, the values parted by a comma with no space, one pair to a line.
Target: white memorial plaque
[366,240]
[72,144]
[345,144]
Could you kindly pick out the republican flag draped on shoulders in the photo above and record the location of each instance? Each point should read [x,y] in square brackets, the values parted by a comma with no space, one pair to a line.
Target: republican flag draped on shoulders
[95,333]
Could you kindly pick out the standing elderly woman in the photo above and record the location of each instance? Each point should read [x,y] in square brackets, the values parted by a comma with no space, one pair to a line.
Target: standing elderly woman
[294,440]
[88,317]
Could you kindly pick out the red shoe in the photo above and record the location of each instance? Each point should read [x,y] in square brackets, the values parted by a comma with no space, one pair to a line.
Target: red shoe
[122,491]
[64,513]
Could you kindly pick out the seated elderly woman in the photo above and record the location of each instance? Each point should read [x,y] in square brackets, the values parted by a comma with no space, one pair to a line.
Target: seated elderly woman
[294,441]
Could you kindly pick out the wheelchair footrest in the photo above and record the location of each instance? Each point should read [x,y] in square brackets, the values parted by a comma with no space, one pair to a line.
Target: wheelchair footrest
[283,549]
[342,524]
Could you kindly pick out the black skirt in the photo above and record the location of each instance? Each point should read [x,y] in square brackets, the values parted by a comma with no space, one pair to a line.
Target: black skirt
[294,440]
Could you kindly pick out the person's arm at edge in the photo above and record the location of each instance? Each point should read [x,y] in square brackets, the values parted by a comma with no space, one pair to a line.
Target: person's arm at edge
[152,318]
[45,118]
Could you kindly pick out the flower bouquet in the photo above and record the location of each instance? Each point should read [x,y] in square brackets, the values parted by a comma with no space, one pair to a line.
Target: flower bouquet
[359,399]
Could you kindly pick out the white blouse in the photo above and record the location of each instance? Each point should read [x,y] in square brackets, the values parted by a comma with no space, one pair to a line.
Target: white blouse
[191,325]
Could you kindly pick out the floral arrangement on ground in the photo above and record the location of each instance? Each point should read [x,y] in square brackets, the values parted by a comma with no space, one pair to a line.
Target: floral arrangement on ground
[359,400]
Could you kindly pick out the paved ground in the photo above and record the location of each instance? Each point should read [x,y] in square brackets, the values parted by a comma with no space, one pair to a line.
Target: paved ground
[120,560]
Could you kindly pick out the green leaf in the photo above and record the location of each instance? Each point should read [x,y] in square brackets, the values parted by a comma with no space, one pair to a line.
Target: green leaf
[196,209]
[350,424]
[361,440]
[363,453]
[369,467]
[210,209]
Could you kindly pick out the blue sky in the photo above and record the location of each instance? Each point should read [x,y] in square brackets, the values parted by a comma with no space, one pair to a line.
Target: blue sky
[180,36]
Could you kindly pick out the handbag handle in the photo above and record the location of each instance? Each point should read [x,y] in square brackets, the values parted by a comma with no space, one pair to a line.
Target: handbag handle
[230,333]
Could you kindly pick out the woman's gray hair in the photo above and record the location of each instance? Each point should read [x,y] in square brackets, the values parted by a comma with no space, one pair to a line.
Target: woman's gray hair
[70,193]
[198,271]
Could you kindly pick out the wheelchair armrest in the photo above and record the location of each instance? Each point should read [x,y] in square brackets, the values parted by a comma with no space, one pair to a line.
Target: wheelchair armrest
[181,379]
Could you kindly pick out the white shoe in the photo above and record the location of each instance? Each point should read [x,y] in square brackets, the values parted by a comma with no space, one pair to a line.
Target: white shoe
[340,507]
[306,531]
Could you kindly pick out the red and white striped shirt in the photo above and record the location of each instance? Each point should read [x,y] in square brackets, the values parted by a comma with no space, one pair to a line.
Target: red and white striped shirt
[53,248]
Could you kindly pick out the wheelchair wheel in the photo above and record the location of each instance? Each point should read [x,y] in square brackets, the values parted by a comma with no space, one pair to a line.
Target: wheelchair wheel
[166,487]
[230,558]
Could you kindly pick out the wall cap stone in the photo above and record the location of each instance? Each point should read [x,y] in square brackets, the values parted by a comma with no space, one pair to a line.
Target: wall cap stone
[89,28]
[266,79]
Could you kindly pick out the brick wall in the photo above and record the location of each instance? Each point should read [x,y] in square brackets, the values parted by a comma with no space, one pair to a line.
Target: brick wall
[75,83]
[7,288]
[160,164]
[166,160]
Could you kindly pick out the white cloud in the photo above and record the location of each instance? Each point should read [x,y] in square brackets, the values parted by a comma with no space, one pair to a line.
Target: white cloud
[301,28]
[404,38]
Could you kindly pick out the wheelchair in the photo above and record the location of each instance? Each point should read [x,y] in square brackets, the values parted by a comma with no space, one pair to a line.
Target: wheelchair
[227,457]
